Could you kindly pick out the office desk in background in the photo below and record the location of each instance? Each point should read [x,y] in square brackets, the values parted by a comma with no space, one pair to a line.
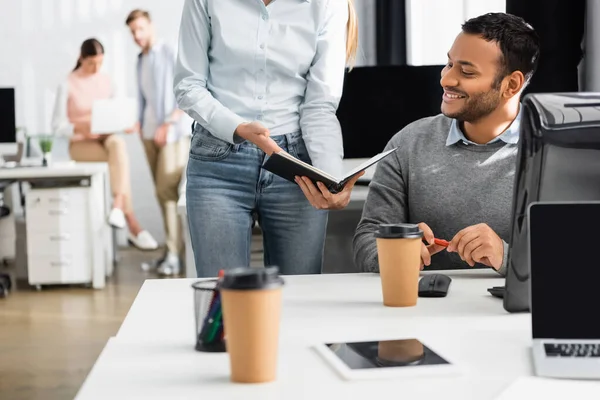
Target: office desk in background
[153,357]
[68,239]
[340,227]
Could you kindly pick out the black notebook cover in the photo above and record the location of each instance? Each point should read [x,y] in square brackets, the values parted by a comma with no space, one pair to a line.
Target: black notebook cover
[288,167]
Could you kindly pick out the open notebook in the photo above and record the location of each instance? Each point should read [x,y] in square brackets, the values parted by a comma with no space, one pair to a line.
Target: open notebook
[288,167]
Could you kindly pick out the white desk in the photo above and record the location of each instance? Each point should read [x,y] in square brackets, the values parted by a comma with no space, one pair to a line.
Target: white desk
[57,170]
[152,355]
[93,176]
[357,201]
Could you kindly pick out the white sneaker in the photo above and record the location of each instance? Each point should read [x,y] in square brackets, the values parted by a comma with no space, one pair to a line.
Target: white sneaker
[170,266]
[116,218]
[143,241]
[152,265]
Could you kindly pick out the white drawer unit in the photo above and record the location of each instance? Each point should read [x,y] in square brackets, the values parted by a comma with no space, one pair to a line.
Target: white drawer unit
[46,270]
[58,236]
[66,238]
[55,210]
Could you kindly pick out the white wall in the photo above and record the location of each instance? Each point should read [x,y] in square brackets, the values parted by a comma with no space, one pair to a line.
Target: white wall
[367,35]
[592,48]
[39,45]
[432,26]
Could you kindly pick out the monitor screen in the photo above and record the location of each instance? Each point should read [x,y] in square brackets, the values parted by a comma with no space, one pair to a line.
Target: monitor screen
[7,116]
[565,271]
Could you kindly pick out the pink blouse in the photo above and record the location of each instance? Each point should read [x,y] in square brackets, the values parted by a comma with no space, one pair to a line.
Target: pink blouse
[82,91]
[75,98]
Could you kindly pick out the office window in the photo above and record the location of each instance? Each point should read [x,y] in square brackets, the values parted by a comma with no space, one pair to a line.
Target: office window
[432,25]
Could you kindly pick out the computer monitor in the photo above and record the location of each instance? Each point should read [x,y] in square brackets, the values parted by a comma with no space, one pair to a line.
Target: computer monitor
[558,161]
[8,126]
[561,268]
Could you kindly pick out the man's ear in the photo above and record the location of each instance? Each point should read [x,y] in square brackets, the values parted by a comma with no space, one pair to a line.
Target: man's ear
[514,84]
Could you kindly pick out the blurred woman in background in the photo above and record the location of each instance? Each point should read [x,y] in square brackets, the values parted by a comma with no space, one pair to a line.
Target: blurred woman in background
[72,117]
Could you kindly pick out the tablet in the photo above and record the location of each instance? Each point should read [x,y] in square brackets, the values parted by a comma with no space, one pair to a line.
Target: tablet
[385,359]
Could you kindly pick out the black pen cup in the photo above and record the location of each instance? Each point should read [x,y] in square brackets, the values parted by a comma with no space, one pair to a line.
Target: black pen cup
[208,317]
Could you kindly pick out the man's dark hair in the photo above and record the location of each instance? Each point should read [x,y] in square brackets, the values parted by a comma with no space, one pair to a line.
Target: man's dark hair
[518,42]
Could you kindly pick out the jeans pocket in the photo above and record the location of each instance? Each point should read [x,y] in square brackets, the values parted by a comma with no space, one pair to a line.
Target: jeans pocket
[206,147]
[298,150]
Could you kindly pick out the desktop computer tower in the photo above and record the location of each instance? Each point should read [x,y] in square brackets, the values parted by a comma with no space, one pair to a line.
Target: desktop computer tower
[558,160]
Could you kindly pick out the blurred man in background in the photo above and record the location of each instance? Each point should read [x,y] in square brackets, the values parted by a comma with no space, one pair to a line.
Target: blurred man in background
[165,131]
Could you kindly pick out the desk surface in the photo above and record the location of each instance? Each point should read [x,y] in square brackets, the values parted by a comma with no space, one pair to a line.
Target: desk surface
[57,170]
[152,355]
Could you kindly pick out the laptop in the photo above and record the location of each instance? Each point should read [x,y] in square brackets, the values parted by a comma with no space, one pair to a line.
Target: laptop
[565,288]
[113,115]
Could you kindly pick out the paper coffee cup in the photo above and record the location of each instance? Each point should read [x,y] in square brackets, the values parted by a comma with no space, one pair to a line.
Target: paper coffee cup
[399,253]
[251,299]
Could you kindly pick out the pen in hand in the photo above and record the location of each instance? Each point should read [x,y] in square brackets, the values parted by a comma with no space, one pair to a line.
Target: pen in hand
[441,242]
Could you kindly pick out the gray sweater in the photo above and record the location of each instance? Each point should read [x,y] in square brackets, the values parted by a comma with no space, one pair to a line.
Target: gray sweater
[446,187]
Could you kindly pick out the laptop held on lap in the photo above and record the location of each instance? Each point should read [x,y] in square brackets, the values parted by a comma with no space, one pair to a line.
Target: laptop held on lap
[113,115]
[565,288]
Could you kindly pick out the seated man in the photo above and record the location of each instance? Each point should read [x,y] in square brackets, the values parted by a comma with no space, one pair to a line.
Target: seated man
[453,173]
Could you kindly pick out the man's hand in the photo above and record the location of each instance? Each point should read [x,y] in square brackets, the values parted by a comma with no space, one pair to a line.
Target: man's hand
[322,198]
[160,135]
[134,128]
[258,134]
[478,244]
[428,250]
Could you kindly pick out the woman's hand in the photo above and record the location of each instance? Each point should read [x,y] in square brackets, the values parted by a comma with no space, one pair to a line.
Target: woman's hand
[77,137]
[322,198]
[258,134]
[84,130]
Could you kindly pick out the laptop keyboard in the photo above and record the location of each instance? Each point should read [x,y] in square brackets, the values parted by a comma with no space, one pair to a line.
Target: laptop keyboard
[572,350]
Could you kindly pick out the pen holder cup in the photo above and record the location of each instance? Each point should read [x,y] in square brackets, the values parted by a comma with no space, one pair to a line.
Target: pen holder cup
[208,317]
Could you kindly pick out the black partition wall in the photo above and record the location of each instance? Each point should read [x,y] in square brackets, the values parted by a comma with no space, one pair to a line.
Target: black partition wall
[390,32]
[379,101]
[560,25]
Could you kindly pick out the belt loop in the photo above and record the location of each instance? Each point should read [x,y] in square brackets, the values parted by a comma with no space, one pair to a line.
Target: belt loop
[288,140]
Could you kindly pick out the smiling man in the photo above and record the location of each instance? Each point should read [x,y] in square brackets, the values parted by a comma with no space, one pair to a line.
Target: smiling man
[453,173]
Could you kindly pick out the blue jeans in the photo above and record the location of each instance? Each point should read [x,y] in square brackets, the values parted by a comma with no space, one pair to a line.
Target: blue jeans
[226,186]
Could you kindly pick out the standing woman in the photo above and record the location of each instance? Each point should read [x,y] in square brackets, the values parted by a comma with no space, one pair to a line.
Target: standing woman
[258,76]
[72,118]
